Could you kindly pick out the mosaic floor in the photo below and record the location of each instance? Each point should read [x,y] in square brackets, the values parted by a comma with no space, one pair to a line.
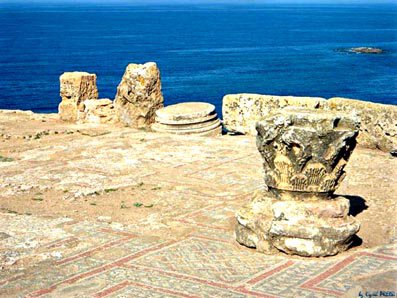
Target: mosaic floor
[98,260]
[65,243]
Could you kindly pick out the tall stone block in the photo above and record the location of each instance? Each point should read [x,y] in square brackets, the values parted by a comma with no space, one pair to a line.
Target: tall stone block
[304,154]
[139,95]
[75,88]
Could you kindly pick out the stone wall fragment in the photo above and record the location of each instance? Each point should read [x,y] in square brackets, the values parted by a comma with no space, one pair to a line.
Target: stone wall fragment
[242,111]
[378,122]
[139,95]
[75,88]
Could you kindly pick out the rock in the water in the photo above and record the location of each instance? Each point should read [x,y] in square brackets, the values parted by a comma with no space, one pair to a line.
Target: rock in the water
[98,111]
[139,95]
[76,87]
[304,154]
[197,118]
[366,50]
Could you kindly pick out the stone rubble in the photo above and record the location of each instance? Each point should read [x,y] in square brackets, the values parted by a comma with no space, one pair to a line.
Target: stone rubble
[139,99]
[98,111]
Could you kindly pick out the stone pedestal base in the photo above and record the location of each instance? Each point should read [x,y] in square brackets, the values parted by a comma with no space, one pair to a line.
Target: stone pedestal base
[189,118]
[311,227]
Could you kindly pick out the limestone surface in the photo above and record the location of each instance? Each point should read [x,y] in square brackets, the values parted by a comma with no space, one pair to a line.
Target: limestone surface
[98,111]
[139,95]
[242,111]
[378,121]
[304,156]
[75,88]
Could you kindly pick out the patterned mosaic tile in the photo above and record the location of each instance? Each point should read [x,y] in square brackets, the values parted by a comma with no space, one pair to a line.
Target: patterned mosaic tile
[158,281]
[292,276]
[208,259]
[361,265]
[47,274]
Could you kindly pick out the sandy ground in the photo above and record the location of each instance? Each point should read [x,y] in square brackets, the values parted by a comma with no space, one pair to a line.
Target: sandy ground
[60,182]
[54,169]
[118,174]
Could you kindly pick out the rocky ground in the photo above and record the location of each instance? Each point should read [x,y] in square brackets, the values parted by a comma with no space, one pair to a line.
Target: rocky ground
[110,211]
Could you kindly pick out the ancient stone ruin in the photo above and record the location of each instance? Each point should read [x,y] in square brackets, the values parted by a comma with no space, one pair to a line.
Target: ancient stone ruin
[378,128]
[304,155]
[139,95]
[98,111]
[198,118]
[76,87]
[138,104]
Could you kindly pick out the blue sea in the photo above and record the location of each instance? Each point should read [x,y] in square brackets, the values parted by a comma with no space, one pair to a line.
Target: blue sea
[203,51]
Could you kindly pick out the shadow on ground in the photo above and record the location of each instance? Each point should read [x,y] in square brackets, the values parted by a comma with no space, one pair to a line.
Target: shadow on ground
[357,205]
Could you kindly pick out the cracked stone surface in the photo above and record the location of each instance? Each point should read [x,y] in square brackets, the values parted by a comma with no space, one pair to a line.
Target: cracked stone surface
[139,95]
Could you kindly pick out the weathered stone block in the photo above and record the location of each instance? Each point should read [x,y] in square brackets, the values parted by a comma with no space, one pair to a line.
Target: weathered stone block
[378,121]
[242,111]
[75,88]
[308,228]
[98,111]
[139,95]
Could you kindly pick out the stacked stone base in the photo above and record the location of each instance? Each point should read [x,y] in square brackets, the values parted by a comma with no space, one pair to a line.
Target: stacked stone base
[191,118]
[312,227]
[209,128]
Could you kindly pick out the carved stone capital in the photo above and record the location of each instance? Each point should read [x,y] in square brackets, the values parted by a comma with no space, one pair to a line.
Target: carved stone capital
[304,153]
[306,150]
